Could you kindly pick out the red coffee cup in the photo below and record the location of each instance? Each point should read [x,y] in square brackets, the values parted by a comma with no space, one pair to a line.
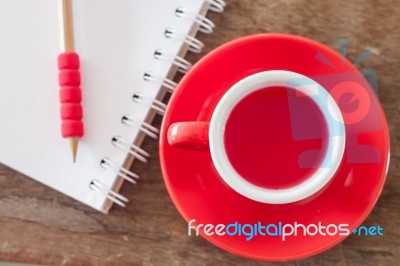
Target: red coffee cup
[213,135]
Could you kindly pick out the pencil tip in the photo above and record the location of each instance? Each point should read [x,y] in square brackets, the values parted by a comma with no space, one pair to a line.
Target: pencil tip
[74,141]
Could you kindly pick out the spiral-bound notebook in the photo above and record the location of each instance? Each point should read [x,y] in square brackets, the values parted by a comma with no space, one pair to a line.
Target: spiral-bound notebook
[129,51]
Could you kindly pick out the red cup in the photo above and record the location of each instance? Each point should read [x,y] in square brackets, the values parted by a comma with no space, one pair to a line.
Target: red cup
[216,136]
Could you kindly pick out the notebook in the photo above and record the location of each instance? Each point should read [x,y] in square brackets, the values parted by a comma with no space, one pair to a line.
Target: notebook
[129,51]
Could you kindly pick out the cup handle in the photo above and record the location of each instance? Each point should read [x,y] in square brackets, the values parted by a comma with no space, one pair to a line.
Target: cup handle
[189,135]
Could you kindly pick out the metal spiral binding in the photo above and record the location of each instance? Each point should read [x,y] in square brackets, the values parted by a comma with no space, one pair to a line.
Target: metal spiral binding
[167,83]
[120,171]
[152,103]
[195,45]
[146,128]
[205,24]
[132,149]
[115,197]
[182,64]
[217,5]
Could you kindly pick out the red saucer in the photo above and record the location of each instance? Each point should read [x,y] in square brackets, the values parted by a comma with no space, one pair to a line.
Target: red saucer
[198,191]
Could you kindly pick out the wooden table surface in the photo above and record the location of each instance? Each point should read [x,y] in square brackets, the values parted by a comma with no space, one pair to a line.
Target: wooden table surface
[39,225]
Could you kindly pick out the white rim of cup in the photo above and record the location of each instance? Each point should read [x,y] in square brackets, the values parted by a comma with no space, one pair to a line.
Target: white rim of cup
[330,111]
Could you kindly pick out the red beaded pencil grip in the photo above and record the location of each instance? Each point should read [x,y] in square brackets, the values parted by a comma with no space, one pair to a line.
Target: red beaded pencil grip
[69,80]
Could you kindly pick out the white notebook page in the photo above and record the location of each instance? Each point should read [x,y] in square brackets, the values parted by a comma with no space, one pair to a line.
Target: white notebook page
[116,41]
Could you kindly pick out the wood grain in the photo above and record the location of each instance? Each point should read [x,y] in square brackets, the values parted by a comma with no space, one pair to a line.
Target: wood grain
[39,225]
